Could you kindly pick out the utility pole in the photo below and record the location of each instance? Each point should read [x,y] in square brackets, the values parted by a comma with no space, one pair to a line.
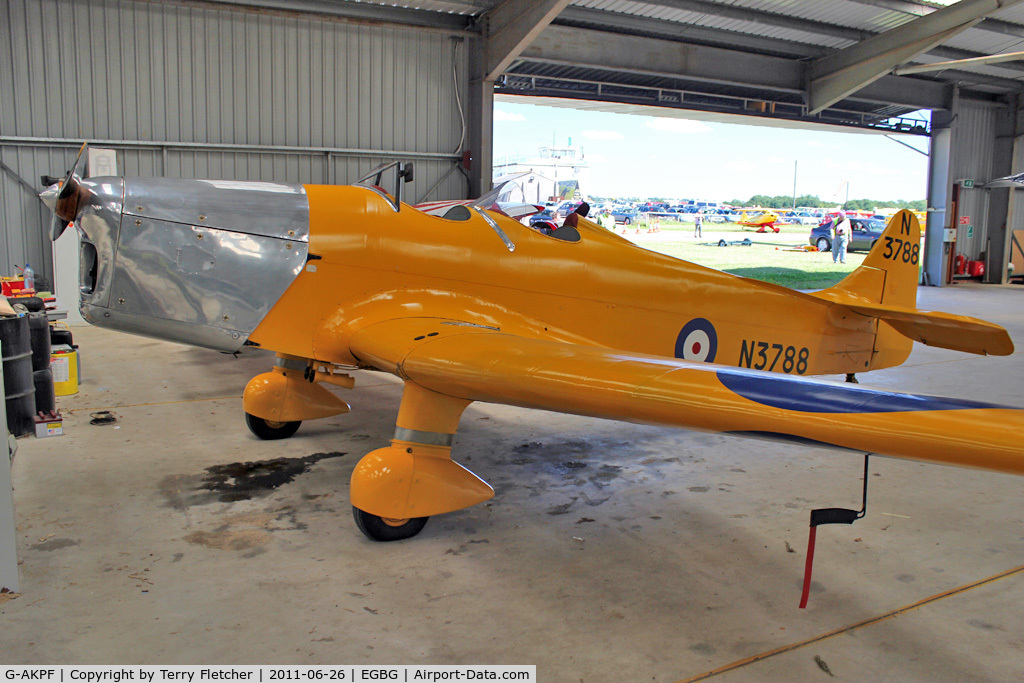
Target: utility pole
[794,183]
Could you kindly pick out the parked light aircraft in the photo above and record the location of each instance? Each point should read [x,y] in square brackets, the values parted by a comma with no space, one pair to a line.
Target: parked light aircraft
[474,306]
[762,219]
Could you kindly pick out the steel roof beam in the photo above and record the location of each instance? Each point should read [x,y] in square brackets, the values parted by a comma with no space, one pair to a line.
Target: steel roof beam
[651,56]
[584,47]
[919,10]
[510,27]
[583,17]
[765,18]
[638,25]
[837,75]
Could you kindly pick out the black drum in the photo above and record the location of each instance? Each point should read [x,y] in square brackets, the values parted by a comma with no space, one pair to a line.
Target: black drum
[39,331]
[46,399]
[19,386]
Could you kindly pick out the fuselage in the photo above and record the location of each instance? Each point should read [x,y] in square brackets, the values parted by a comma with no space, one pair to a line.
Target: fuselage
[298,269]
[370,262]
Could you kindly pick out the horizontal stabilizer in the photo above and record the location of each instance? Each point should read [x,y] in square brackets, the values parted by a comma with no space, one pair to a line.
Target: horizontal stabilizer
[945,330]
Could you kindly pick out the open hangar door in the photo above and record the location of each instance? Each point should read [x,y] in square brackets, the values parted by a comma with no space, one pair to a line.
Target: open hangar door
[868,66]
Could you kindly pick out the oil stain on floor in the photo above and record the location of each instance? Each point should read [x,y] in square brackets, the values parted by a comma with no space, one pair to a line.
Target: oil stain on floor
[238,480]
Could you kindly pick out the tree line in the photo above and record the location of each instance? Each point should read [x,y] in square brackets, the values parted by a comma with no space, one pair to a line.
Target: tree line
[786,202]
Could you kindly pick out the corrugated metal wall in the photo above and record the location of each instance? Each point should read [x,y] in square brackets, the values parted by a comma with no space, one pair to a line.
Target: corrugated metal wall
[973,148]
[312,99]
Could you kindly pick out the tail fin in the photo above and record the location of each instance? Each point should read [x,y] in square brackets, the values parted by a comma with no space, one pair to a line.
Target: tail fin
[885,287]
[890,272]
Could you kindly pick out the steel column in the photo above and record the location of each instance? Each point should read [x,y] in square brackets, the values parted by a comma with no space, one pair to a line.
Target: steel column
[938,192]
[8,532]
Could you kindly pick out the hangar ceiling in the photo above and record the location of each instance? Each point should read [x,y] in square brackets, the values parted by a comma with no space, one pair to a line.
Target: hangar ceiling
[827,61]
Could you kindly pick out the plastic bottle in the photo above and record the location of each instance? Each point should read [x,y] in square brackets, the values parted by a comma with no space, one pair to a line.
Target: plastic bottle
[30,277]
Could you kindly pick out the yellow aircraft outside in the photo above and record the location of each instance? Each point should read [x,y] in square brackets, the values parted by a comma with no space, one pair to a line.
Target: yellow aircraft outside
[762,219]
[475,306]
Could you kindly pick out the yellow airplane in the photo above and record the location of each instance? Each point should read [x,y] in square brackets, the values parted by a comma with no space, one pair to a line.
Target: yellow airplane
[762,219]
[474,306]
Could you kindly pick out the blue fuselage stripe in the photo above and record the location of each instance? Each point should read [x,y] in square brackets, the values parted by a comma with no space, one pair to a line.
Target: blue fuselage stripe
[810,396]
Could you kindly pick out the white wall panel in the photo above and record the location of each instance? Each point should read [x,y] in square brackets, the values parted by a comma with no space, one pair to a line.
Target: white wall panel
[127,70]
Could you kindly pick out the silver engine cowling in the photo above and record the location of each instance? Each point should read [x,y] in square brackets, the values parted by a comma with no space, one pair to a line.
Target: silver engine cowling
[199,262]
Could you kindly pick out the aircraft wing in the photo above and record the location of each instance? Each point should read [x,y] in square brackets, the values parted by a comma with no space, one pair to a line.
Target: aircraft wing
[479,363]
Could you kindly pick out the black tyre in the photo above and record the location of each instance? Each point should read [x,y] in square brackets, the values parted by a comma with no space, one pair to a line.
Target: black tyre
[872,245]
[269,430]
[380,529]
[824,244]
[33,303]
[626,221]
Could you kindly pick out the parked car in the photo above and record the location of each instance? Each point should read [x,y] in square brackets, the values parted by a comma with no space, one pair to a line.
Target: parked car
[624,216]
[804,218]
[720,215]
[549,215]
[865,232]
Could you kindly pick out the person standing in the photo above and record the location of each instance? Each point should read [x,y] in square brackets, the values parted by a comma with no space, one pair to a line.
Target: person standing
[841,237]
[608,220]
[698,220]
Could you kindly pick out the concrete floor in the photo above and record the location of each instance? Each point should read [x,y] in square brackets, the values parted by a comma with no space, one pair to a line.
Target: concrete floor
[611,552]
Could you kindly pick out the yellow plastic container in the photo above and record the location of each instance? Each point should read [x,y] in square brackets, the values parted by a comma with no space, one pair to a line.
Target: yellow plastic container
[64,365]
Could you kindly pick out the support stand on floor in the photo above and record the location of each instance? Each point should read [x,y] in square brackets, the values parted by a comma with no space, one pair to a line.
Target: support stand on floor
[830,516]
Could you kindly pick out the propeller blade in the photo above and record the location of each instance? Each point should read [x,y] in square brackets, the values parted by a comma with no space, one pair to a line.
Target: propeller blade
[71,197]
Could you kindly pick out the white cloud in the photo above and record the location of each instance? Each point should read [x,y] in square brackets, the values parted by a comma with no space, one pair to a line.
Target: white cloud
[602,135]
[677,125]
[501,115]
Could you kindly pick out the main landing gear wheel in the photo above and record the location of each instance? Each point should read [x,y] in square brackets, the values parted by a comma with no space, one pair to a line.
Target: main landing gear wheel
[383,529]
[268,430]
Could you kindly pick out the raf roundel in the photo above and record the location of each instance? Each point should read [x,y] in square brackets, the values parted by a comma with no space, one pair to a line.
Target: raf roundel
[697,341]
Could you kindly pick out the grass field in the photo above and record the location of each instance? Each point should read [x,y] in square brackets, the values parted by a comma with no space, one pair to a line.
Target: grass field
[770,259]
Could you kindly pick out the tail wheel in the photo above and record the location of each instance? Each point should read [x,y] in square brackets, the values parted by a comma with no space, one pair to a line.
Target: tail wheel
[384,529]
[268,430]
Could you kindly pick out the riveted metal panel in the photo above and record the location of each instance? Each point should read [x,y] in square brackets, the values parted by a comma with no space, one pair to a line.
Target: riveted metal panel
[192,74]
[221,283]
[261,208]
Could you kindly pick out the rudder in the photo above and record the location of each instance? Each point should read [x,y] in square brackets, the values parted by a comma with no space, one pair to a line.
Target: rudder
[888,277]
[890,272]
